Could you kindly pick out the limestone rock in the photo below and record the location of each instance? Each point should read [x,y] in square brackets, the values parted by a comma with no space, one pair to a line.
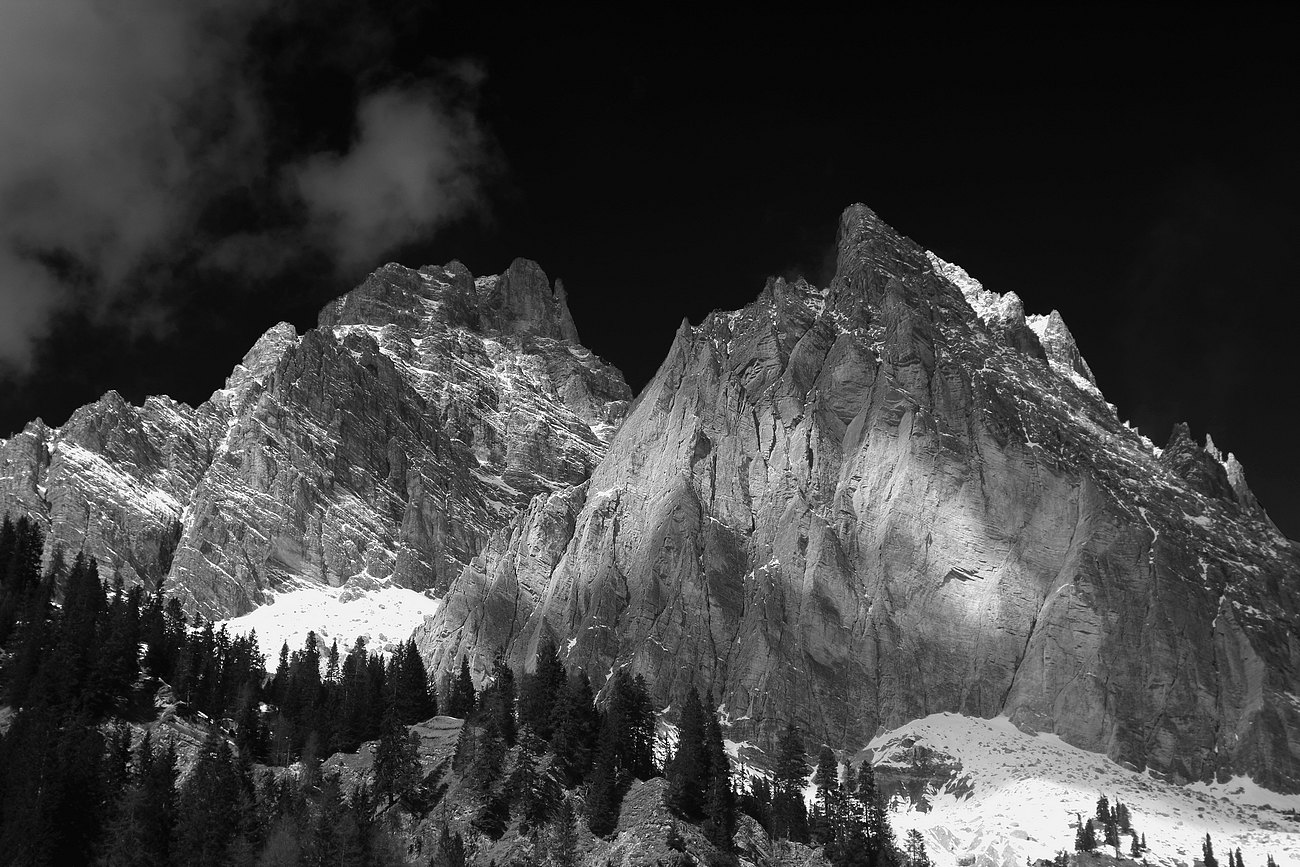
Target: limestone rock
[854,506]
[423,412]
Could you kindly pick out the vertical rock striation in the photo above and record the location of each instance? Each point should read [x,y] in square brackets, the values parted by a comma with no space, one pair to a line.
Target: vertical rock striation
[854,506]
[424,411]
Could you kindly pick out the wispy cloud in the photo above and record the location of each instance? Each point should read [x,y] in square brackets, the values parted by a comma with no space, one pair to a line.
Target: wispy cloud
[124,122]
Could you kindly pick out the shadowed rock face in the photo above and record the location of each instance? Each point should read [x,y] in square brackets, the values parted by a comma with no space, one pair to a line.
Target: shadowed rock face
[422,413]
[854,506]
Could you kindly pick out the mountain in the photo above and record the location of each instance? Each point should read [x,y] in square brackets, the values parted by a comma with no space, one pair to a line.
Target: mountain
[849,507]
[894,496]
[380,448]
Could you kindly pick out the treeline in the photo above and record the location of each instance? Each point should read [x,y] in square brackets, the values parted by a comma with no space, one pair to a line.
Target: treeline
[1111,821]
[560,740]
[849,816]
[77,795]
[105,651]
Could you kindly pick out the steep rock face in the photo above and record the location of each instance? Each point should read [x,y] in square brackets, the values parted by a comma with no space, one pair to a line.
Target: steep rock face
[424,411]
[855,506]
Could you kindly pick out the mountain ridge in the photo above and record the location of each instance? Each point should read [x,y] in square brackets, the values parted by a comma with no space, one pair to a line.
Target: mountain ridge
[859,505]
[845,507]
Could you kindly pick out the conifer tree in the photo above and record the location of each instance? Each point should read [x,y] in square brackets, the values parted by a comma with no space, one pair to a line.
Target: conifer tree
[158,773]
[451,849]
[789,816]
[397,761]
[409,685]
[720,800]
[877,830]
[756,802]
[541,688]
[574,727]
[1103,810]
[536,790]
[461,702]
[1123,818]
[826,778]
[1135,849]
[212,809]
[564,837]
[497,700]
[1207,849]
[603,791]
[1238,856]
[915,850]
[688,771]
[630,716]
[1085,840]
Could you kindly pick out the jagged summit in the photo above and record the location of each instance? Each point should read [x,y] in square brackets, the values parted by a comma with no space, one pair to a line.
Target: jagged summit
[898,495]
[519,302]
[380,447]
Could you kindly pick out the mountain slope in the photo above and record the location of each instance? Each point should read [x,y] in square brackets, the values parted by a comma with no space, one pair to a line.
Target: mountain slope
[383,446]
[856,506]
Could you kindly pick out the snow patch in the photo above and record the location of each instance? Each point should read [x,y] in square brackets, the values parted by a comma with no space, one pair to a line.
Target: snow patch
[1019,794]
[385,617]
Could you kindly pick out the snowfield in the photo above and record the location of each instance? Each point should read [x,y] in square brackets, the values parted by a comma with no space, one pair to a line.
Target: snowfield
[1016,795]
[385,616]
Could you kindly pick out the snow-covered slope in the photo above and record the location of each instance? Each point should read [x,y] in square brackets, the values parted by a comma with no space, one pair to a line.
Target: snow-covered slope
[384,616]
[982,789]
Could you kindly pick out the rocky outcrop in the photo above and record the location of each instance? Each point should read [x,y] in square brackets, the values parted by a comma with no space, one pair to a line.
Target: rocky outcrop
[861,504]
[423,412]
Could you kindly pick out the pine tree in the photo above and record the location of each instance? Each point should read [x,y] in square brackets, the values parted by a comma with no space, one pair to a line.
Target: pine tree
[1103,810]
[564,838]
[397,761]
[789,816]
[756,802]
[1239,861]
[541,688]
[879,834]
[1135,849]
[688,771]
[915,850]
[603,792]
[1122,817]
[827,780]
[461,702]
[1207,848]
[212,811]
[630,716]
[536,790]
[574,728]
[1085,839]
[720,800]
[158,773]
[451,849]
[408,681]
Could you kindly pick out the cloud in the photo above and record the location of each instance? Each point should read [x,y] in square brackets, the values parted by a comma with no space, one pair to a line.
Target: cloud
[138,143]
[114,117]
[413,166]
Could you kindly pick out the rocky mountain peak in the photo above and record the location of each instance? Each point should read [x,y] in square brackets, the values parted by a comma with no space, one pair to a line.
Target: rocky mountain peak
[264,355]
[854,506]
[519,303]
[522,300]
[1062,351]
[1199,467]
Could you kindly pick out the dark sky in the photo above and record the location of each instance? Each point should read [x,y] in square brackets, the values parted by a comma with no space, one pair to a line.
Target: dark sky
[1135,170]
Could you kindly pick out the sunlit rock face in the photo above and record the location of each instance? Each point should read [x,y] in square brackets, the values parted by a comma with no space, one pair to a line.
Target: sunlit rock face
[424,411]
[858,505]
